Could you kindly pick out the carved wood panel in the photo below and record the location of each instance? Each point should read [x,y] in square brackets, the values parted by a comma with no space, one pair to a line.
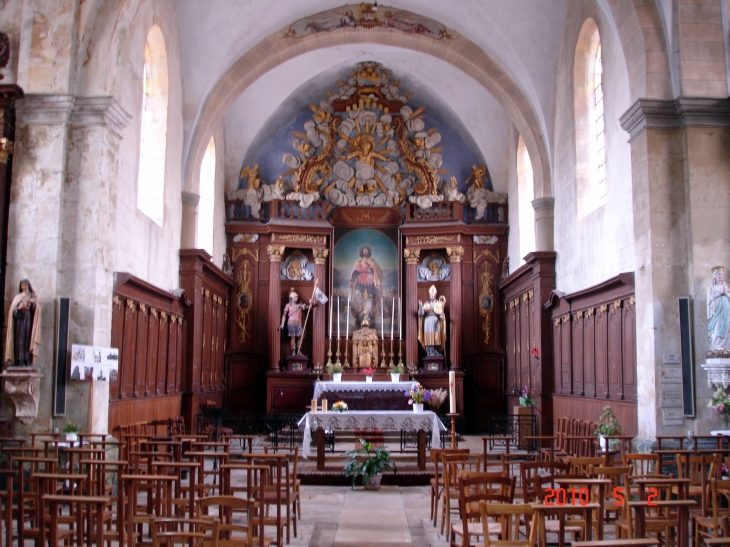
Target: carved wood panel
[601,351]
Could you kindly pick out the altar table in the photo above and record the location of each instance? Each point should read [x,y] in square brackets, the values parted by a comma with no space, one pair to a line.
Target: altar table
[365,395]
[369,421]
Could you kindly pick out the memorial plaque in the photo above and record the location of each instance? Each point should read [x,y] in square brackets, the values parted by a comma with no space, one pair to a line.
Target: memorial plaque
[671,375]
[673,416]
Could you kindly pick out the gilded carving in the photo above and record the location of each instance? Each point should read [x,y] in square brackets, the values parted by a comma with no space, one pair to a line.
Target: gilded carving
[431,240]
[244,301]
[531,294]
[116,300]
[320,256]
[243,251]
[154,312]
[526,297]
[6,148]
[299,238]
[616,306]
[556,321]
[411,256]
[456,254]
[486,253]
[603,308]
[275,252]
[245,238]
[368,217]
[579,315]
[565,318]
[589,312]
[163,316]
[486,301]
[131,305]
[630,303]
[143,308]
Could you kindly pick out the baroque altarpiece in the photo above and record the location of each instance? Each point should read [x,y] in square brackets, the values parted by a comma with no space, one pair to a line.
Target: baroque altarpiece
[367,184]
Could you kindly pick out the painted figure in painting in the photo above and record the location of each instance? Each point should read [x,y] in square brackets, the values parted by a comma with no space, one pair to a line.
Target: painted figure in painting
[432,323]
[718,311]
[293,311]
[23,338]
[366,286]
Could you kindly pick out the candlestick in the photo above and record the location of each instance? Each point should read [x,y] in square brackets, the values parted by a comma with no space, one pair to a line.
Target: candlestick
[338,320]
[347,328]
[400,320]
[331,302]
[452,392]
[382,322]
[392,321]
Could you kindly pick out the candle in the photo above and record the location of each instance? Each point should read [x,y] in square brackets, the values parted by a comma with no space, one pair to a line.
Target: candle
[338,317]
[324,405]
[382,322]
[314,405]
[452,392]
[392,318]
[347,327]
[400,319]
[331,302]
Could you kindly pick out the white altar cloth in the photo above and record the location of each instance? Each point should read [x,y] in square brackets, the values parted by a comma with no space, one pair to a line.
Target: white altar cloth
[370,420]
[324,387]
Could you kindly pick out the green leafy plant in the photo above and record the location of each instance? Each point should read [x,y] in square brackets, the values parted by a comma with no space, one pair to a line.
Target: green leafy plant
[70,427]
[334,368]
[397,369]
[608,423]
[367,462]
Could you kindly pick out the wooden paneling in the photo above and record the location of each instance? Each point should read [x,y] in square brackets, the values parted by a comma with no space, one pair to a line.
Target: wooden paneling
[146,326]
[597,335]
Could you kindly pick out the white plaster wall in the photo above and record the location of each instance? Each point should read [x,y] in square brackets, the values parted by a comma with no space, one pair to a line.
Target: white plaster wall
[114,66]
[219,213]
[513,203]
[600,245]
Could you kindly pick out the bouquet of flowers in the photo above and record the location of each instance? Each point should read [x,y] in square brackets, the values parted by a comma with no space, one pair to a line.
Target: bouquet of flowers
[526,397]
[70,427]
[436,398]
[368,371]
[720,402]
[339,406]
[418,394]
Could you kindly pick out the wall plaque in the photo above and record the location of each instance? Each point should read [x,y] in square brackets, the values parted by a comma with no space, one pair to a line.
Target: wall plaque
[671,375]
[673,416]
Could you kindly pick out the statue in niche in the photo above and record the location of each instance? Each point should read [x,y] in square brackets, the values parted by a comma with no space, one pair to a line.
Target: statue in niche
[718,314]
[366,286]
[292,316]
[295,268]
[432,323]
[434,269]
[23,338]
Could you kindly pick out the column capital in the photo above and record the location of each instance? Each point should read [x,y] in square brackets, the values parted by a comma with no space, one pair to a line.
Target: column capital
[411,256]
[456,254]
[320,256]
[275,252]
[190,199]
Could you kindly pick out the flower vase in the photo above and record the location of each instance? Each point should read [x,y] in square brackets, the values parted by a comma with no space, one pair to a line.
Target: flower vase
[417,407]
[72,437]
[373,482]
[368,379]
[602,442]
[337,377]
[394,377]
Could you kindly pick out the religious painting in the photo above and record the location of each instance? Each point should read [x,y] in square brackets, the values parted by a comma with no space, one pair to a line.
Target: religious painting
[365,270]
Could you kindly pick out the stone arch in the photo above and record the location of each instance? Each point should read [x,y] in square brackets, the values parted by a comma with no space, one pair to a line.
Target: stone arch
[459,51]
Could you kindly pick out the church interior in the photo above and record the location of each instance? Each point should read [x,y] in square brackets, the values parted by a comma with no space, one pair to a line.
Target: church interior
[234,201]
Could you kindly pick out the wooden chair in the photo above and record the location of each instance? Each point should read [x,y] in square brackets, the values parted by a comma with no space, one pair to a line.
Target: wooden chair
[168,532]
[536,475]
[508,518]
[583,467]
[619,477]
[437,481]
[278,495]
[453,464]
[475,487]
[642,464]
[717,523]
[660,521]
[236,516]
[6,504]
[142,498]
[292,454]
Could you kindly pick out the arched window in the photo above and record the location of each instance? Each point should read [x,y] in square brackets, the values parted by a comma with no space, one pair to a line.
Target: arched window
[153,138]
[206,205]
[525,195]
[589,121]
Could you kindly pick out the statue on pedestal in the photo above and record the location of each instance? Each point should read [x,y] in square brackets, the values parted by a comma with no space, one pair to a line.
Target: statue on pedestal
[432,323]
[293,311]
[718,314]
[23,338]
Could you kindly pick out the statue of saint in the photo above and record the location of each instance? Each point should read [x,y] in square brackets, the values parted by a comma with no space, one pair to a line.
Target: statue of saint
[432,323]
[366,286]
[24,327]
[718,311]
[293,311]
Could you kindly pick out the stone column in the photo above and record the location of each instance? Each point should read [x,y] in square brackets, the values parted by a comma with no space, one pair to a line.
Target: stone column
[544,223]
[275,252]
[189,220]
[456,255]
[319,311]
[410,309]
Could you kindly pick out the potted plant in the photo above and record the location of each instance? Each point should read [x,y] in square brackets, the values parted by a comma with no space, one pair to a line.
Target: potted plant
[335,369]
[368,372]
[71,430]
[368,463]
[416,396]
[526,398]
[396,371]
[608,425]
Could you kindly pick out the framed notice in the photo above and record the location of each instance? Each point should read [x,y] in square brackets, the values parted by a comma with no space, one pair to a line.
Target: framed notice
[94,363]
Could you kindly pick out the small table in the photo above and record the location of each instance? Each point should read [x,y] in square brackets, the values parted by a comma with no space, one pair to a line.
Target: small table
[682,507]
[562,511]
[600,484]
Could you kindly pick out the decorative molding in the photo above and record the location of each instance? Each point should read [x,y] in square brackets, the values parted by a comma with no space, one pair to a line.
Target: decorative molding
[675,114]
[411,256]
[189,199]
[102,112]
[243,251]
[44,109]
[431,240]
[154,312]
[320,256]
[23,386]
[543,204]
[131,305]
[486,294]
[616,306]
[589,312]
[603,308]
[163,316]
[485,240]
[565,318]
[245,238]
[6,149]
[578,315]
[116,300]
[456,254]
[244,301]
[485,253]
[299,238]
[143,308]
[275,252]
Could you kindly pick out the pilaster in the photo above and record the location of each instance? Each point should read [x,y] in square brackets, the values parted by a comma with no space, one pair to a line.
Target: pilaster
[318,313]
[411,335]
[456,255]
[275,253]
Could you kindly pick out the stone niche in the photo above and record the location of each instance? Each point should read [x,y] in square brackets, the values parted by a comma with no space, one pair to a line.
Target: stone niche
[22,385]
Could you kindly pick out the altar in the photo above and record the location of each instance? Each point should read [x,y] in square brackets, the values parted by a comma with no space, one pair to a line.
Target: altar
[365,395]
[372,420]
